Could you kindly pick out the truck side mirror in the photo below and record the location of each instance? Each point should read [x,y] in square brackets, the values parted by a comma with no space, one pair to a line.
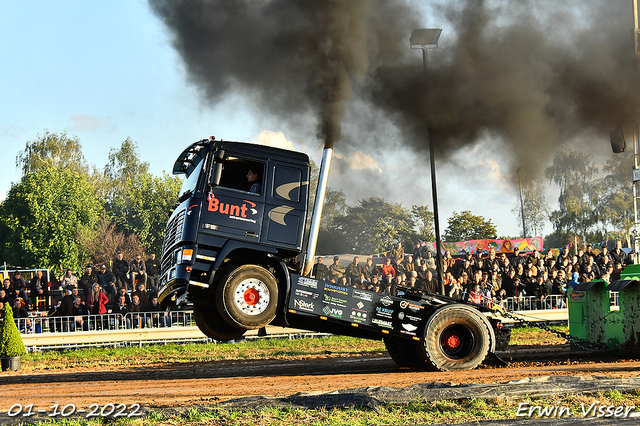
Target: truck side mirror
[216,174]
[216,171]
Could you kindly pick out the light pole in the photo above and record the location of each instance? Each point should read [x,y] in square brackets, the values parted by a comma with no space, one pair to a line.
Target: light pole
[427,38]
[524,227]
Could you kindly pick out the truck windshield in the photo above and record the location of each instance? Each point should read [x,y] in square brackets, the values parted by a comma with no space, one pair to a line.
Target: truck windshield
[190,181]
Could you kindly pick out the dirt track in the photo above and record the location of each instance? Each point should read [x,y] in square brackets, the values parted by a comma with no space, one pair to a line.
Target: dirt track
[182,385]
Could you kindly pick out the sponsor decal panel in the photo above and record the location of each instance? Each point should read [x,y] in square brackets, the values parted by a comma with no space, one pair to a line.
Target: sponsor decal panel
[408,329]
[410,318]
[382,323]
[305,293]
[307,282]
[386,301]
[383,312]
[364,295]
[332,312]
[241,212]
[303,305]
[404,304]
[337,301]
[336,289]
[358,316]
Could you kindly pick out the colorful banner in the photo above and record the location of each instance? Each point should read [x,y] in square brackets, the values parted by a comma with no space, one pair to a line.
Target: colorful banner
[500,246]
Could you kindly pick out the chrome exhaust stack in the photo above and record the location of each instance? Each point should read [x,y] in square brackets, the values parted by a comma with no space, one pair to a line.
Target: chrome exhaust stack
[317,210]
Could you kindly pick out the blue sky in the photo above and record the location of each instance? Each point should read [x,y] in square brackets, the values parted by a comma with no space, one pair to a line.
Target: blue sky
[105,71]
[102,71]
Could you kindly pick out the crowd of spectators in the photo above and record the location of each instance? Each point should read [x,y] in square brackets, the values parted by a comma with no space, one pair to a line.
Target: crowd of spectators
[114,287]
[483,278]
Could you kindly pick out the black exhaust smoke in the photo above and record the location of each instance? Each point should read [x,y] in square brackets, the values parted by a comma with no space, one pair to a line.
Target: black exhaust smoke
[532,75]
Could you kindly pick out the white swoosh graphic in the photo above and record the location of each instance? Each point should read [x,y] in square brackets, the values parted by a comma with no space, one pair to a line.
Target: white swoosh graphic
[277,215]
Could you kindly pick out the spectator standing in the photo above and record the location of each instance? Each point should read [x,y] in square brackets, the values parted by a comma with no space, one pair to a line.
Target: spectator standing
[429,284]
[20,286]
[69,279]
[4,297]
[369,270]
[353,271]
[122,307]
[136,308]
[617,254]
[604,258]
[107,281]
[153,272]
[388,268]
[516,259]
[397,254]
[336,270]
[123,292]
[430,261]
[87,280]
[142,294]
[81,313]
[21,316]
[630,259]
[97,301]
[320,271]
[120,270]
[39,288]
[158,317]
[137,270]
[8,288]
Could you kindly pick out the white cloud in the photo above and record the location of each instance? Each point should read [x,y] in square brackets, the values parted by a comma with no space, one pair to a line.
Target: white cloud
[360,161]
[91,122]
[274,139]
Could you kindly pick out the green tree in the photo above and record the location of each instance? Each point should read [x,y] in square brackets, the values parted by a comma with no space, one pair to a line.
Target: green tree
[375,225]
[52,150]
[11,344]
[536,209]
[423,218]
[145,206]
[576,175]
[616,204]
[42,215]
[465,226]
[105,241]
[123,168]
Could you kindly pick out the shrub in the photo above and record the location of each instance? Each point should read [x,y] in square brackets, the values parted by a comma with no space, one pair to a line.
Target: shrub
[10,340]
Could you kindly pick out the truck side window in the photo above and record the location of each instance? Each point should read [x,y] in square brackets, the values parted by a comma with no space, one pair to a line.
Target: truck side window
[243,175]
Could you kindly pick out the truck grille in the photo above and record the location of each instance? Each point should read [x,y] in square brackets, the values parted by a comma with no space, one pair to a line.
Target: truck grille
[172,234]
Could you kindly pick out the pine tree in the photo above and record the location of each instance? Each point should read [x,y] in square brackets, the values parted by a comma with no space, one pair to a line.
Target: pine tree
[10,340]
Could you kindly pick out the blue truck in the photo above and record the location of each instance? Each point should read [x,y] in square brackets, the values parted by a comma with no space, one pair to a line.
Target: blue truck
[237,246]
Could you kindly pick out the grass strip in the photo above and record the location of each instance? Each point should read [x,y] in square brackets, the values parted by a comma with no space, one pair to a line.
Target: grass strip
[417,412]
[247,350]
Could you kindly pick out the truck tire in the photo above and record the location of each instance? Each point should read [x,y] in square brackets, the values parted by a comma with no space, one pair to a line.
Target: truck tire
[456,338]
[403,352]
[247,298]
[213,326]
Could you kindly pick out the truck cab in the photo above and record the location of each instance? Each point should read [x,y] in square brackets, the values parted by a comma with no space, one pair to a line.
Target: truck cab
[233,237]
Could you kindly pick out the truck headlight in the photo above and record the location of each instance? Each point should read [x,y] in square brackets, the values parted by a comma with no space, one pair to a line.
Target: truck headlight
[184,255]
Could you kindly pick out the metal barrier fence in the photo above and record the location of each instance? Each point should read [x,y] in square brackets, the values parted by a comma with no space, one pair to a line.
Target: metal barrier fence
[105,322]
[553,301]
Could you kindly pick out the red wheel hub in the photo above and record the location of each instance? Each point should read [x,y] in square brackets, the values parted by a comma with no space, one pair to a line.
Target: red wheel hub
[251,296]
[451,341]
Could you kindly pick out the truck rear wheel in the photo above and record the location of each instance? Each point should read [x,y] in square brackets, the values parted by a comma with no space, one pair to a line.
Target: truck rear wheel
[404,352]
[213,326]
[456,338]
[248,297]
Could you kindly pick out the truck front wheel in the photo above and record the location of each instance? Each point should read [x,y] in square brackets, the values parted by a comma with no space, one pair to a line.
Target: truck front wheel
[456,338]
[248,297]
[213,326]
